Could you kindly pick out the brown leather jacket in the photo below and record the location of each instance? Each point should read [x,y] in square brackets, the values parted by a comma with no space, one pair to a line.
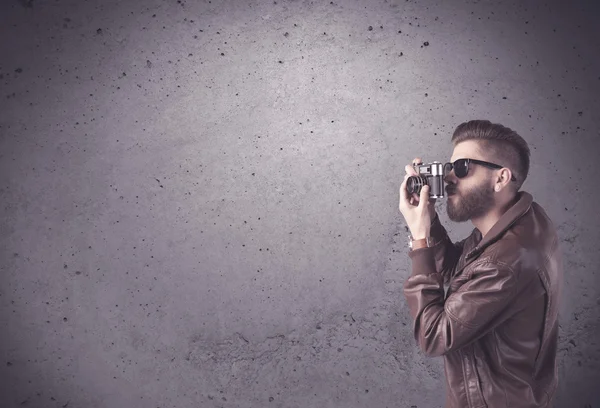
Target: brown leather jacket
[497,326]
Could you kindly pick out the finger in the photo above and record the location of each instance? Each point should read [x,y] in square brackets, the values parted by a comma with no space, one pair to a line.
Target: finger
[424,197]
[410,170]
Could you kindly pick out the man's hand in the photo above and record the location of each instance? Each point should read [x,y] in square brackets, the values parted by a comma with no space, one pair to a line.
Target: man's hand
[418,210]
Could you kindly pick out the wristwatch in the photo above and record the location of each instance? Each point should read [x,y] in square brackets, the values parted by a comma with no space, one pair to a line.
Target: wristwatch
[419,243]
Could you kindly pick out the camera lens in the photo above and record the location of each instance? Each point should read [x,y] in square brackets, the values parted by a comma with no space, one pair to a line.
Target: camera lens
[414,184]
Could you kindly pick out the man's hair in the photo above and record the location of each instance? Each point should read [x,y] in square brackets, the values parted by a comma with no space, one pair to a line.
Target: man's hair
[499,145]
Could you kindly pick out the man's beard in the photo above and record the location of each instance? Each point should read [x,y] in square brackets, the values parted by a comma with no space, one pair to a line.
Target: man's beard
[475,203]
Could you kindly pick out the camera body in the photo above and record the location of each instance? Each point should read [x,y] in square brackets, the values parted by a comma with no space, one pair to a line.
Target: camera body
[431,174]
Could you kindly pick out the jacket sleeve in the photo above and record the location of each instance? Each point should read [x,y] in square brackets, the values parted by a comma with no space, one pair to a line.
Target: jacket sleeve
[477,307]
[445,253]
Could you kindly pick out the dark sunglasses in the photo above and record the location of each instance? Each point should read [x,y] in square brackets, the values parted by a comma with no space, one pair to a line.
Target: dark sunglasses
[461,167]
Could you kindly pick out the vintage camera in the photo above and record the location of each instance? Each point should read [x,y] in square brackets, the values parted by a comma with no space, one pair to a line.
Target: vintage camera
[431,174]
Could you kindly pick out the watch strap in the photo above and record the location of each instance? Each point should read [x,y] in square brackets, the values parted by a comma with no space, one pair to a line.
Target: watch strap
[419,243]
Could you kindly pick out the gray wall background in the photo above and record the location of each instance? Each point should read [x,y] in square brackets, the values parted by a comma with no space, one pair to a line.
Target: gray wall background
[199,199]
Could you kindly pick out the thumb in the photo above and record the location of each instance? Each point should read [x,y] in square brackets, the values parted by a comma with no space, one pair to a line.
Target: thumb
[424,196]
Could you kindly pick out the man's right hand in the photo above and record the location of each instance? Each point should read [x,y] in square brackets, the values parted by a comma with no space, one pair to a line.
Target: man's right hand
[414,200]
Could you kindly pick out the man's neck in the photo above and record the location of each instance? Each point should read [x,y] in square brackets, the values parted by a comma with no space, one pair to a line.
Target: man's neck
[485,223]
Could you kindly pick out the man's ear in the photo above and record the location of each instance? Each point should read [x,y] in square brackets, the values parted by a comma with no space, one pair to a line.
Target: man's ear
[508,174]
[503,176]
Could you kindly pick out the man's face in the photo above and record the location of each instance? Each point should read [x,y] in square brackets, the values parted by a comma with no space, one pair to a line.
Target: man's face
[472,196]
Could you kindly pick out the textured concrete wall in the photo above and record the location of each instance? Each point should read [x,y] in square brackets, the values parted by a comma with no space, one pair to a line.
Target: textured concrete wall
[199,199]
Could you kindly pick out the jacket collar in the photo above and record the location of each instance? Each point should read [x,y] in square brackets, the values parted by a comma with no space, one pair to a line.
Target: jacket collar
[504,223]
